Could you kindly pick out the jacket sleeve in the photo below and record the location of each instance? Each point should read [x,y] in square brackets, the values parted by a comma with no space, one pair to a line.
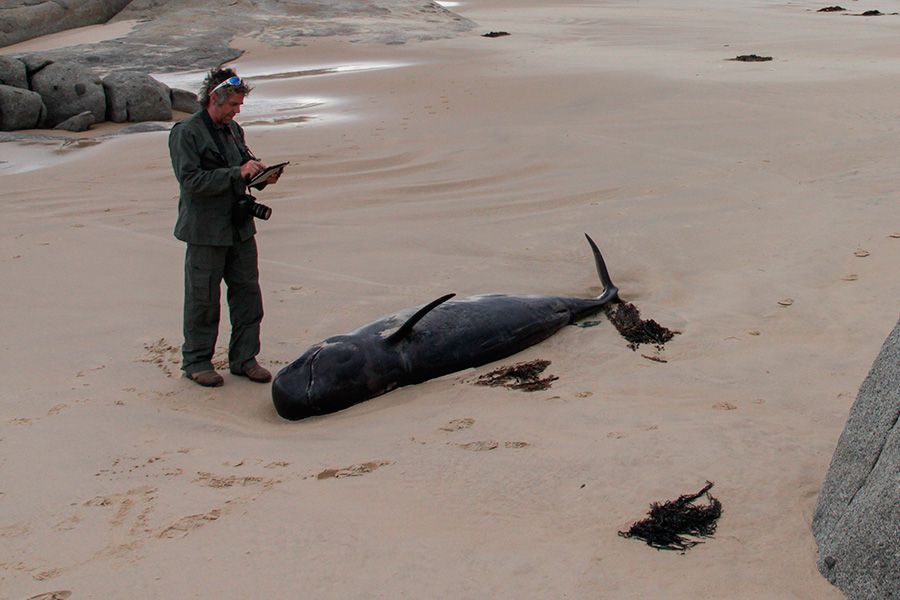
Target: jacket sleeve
[185,149]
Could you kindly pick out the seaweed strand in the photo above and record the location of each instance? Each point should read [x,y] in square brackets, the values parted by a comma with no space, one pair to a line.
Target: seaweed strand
[669,522]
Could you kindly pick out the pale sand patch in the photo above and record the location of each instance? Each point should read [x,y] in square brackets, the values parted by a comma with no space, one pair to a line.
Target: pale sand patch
[474,168]
[72,37]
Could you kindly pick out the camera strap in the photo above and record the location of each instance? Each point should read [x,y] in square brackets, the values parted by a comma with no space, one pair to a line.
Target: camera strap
[240,143]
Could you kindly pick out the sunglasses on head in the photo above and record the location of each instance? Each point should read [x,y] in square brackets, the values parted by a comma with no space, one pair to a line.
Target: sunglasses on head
[232,81]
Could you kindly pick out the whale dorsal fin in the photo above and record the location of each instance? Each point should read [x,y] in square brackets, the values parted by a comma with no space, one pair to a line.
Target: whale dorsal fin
[610,291]
[404,329]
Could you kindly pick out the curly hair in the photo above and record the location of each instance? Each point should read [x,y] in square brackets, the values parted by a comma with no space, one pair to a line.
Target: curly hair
[214,78]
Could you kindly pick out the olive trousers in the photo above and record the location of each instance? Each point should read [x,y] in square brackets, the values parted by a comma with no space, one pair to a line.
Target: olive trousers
[204,269]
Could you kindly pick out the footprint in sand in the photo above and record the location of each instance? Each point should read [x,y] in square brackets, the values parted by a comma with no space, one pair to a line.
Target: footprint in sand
[479,446]
[618,435]
[141,498]
[164,355]
[84,372]
[353,470]
[516,445]
[68,524]
[56,409]
[277,464]
[219,481]
[58,595]
[17,530]
[457,424]
[724,406]
[485,445]
[184,526]
[48,574]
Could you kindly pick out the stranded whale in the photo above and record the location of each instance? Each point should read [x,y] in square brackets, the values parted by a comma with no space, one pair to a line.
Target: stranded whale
[418,344]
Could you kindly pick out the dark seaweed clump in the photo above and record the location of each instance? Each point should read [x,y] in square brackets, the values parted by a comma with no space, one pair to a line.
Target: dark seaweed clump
[668,522]
[751,58]
[524,376]
[627,320]
[832,9]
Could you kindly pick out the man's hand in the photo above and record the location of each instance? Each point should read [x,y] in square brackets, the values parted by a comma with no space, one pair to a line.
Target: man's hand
[273,176]
[250,168]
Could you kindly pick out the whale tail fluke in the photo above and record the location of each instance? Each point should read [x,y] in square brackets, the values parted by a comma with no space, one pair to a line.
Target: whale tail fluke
[610,291]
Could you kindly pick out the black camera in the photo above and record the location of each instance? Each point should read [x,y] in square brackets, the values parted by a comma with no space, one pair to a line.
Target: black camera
[247,207]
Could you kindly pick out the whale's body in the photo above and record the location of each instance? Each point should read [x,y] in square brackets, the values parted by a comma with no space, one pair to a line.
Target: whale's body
[422,343]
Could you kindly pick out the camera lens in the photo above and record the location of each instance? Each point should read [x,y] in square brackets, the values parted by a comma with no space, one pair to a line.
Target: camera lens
[260,211]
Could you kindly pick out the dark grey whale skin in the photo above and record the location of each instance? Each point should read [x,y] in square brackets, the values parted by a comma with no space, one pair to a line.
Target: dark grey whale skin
[449,336]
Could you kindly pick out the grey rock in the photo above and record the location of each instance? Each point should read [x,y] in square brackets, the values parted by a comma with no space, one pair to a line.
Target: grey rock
[185,101]
[12,72]
[20,109]
[34,63]
[857,518]
[136,97]
[24,20]
[80,122]
[67,90]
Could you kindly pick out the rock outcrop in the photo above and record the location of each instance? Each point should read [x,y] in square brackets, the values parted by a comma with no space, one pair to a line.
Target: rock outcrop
[20,109]
[176,35]
[80,122]
[34,63]
[12,72]
[185,101]
[857,519]
[67,90]
[135,97]
[61,92]
[190,35]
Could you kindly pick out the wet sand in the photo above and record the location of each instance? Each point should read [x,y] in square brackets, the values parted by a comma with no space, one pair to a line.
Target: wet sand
[750,206]
[71,37]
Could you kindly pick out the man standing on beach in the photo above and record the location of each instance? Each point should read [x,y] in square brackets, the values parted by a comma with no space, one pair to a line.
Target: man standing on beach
[213,164]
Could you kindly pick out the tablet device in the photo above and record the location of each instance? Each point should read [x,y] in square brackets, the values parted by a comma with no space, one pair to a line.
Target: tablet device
[264,174]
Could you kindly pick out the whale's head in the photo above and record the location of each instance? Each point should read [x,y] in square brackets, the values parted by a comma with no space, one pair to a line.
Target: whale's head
[329,376]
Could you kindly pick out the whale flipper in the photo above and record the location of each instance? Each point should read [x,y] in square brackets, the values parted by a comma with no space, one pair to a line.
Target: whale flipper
[404,329]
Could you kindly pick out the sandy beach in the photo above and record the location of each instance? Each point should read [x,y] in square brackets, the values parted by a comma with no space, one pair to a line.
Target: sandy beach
[751,206]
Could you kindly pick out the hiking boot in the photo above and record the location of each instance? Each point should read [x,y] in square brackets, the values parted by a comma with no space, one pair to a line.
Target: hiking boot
[207,378]
[254,372]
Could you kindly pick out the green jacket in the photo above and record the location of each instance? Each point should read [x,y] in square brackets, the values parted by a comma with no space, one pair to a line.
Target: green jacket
[210,182]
